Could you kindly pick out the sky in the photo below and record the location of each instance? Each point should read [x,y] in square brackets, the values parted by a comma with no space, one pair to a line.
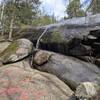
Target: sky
[56,7]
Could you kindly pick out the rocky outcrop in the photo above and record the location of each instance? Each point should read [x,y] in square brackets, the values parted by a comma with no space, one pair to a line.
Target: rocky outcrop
[20,80]
[75,27]
[84,33]
[86,48]
[76,37]
[88,91]
[21,84]
[16,51]
[70,70]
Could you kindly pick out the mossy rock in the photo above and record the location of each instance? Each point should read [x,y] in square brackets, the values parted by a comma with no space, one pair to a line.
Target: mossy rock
[17,50]
[53,37]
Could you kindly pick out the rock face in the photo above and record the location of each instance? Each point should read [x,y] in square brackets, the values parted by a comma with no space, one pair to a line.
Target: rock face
[70,70]
[16,83]
[17,50]
[88,91]
[41,57]
[80,50]
[98,62]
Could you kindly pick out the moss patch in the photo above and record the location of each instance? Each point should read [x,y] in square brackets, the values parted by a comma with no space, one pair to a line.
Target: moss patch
[53,37]
[11,49]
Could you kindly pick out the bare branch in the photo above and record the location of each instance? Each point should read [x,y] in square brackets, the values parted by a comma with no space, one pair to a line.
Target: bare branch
[38,41]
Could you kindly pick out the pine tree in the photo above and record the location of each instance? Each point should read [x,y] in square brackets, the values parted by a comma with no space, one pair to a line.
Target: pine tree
[95,7]
[19,12]
[74,10]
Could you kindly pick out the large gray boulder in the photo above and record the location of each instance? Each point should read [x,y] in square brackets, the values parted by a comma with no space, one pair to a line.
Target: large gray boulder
[70,70]
[18,83]
[17,50]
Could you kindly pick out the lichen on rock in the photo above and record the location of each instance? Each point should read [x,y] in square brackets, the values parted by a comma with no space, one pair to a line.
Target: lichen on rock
[88,91]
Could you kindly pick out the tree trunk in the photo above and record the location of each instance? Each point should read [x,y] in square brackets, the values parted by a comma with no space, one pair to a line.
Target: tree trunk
[2,15]
[11,28]
[12,22]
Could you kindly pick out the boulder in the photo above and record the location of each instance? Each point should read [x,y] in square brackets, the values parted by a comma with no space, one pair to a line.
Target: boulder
[17,83]
[16,51]
[88,91]
[91,37]
[41,57]
[80,50]
[96,47]
[89,59]
[96,33]
[98,62]
[70,70]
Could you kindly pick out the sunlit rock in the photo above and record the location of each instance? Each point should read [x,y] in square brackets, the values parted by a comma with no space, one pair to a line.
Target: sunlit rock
[17,83]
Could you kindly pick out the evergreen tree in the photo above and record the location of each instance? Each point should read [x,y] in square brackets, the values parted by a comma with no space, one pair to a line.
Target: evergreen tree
[44,20]
[19,12]
[74,10]
[95,6]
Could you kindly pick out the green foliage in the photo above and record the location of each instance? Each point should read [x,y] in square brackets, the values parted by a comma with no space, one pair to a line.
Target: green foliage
[44,20]
[74,10]
[11,49]
[54,36]
[22,11]
[95,7]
